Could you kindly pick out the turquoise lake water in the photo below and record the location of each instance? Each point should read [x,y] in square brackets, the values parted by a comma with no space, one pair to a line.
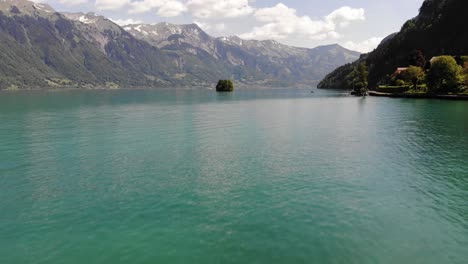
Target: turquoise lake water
[257,176]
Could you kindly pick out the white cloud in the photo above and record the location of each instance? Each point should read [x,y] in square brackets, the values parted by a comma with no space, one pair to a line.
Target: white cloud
[64,2]
[124,22]
[171,9]
[329,35]
[365,46]
[205,9]
[73,2]
[218,9]
[216,27]
[111,4]
[343,16]
[228,17]
[164,8]
[220,27]
[281,22]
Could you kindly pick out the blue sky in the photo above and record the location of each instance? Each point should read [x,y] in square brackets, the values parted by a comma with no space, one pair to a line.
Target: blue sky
[356,24]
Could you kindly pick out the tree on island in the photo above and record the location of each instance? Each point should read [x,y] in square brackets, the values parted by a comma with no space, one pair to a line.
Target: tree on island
[359,80]
[445,75]
[225,86]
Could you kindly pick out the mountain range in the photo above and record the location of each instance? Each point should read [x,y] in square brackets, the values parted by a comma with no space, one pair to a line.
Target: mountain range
[42,48]
[439,29]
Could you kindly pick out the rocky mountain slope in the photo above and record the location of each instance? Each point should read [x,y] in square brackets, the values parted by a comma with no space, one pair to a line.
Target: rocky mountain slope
[439,29]
[42,48]
[247,60]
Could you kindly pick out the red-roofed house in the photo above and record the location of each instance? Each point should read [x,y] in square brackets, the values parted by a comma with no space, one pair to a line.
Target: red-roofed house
[399,71]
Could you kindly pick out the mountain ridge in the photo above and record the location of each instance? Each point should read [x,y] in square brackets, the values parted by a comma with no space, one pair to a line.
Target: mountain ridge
[236,51]
[42,48]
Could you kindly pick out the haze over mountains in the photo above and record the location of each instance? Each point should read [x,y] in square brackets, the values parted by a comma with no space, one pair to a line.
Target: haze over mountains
[43,48]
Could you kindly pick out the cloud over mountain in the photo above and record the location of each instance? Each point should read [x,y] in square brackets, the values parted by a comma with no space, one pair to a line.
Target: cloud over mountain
[279,21]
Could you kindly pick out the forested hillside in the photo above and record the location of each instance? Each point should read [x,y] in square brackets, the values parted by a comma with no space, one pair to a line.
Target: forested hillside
[439,29]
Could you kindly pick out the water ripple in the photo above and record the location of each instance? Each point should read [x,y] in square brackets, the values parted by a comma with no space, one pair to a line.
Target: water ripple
[256,176]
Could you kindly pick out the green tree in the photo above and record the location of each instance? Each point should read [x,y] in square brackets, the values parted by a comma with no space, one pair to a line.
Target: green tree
[225,86]
[445,75]
[465,74]
[414,75]
[359,80]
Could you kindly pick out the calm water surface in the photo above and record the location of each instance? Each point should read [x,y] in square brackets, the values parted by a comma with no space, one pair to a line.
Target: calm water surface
[256,176]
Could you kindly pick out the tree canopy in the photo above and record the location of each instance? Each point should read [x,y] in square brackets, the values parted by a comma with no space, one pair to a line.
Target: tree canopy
[465,74]
[359,79]
[414,75]
[225,86]
[445,75]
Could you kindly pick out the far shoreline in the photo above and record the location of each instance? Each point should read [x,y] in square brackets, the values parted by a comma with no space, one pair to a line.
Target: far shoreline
[188,87]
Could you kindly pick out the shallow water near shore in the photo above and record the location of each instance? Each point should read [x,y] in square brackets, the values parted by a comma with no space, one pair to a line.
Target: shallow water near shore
[255,176]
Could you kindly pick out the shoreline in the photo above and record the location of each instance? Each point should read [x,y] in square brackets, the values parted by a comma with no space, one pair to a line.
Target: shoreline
[188,87]
[420,96]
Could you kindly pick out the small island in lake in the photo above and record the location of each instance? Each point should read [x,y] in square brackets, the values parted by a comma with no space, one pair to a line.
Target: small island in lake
[225,86]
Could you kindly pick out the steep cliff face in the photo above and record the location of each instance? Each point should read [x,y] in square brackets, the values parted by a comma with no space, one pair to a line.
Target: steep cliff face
[440,28]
